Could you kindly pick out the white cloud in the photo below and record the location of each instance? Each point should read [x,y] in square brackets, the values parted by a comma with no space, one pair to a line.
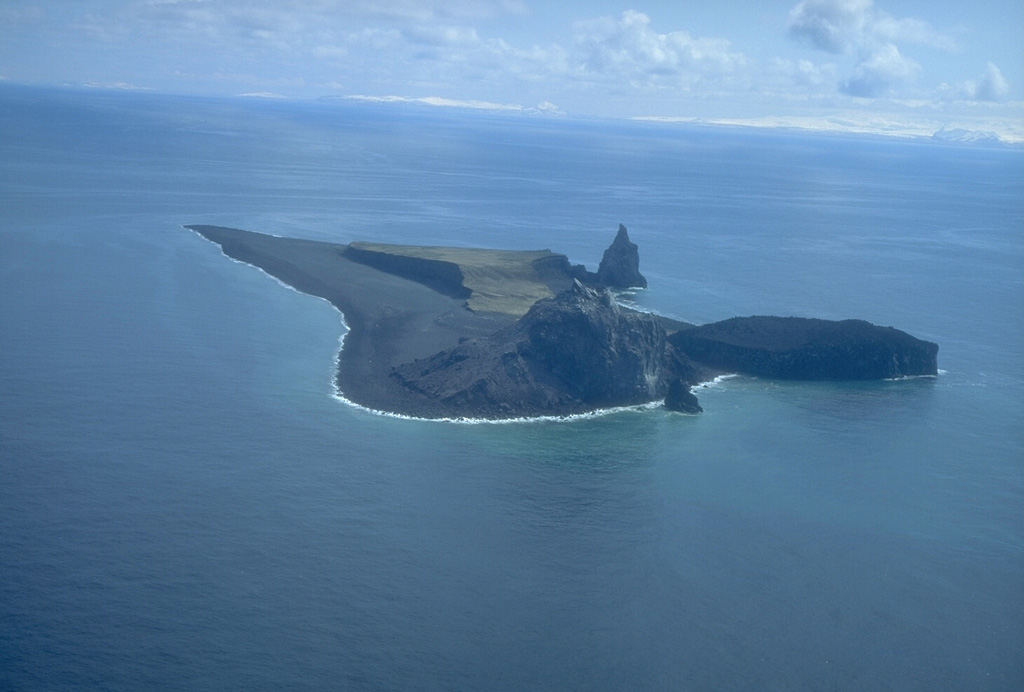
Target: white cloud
[856,27]
[991,86]
[840,26]
[315,26]
[830,25]
[629,49]
[425,11]
[437,35]
[549,108]
[910,30]
[879,71]
[804,74]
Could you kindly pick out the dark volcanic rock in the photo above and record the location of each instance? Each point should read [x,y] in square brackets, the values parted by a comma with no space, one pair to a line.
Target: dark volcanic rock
[808,349]
[620,265]
[569,354]
[681,399]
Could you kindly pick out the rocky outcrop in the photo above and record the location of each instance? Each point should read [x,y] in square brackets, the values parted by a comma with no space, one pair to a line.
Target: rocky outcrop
[576,352]
[797,348]
[620,265]
[558,273]
[681,399]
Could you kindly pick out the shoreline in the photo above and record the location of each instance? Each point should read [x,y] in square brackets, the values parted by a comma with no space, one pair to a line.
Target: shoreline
[387,318]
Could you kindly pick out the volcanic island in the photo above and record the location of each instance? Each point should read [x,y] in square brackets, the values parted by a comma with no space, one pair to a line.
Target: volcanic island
[467,333]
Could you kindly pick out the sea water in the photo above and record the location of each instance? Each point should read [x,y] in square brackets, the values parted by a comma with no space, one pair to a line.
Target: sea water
[185,505]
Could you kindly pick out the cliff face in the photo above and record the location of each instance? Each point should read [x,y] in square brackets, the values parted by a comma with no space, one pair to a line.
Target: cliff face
[599,353]
[569,354]
[620,265]
[444,277]
[798,348]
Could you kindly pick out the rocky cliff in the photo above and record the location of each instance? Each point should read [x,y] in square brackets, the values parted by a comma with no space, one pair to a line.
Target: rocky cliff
[620,265]
[569,354]
[443,276]
[797,348]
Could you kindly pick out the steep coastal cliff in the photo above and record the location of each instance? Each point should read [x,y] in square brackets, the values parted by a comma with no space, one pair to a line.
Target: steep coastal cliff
[795,348]
[569,354]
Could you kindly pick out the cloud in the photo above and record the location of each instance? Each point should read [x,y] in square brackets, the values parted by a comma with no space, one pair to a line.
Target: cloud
[423,44]
[193,16]
[440,36]
[841,26]
[628,48]
[297,25]
[910,30]
[991,86]
[857,27]
[830,25]
[425,11]
[878,72]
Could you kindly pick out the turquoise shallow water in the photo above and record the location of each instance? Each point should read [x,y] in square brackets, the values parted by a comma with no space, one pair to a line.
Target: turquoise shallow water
[184,505]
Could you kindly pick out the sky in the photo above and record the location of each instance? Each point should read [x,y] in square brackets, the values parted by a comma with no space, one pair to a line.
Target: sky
[887,66]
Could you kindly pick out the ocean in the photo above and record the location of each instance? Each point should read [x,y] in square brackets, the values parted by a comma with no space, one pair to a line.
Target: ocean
[184,504]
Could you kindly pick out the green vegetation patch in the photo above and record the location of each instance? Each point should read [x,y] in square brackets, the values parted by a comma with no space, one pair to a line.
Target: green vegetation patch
[504,281]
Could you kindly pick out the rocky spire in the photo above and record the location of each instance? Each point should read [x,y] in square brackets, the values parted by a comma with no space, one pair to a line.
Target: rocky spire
[620,266]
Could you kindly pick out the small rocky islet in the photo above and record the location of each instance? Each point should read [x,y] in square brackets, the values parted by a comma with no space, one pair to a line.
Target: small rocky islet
[446,333]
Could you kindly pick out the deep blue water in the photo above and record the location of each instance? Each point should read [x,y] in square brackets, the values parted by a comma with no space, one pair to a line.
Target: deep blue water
[183,505]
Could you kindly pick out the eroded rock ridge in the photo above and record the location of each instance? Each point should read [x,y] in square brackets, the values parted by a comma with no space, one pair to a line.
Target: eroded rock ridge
[569,354]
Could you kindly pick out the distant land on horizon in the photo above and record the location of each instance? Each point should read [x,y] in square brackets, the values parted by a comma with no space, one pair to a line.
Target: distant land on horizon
[944,130]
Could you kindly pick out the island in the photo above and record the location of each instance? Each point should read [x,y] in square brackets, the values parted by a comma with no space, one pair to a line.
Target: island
[469,333]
